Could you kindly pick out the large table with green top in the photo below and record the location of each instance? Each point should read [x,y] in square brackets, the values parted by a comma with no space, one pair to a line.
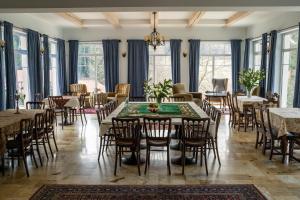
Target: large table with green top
[173,110]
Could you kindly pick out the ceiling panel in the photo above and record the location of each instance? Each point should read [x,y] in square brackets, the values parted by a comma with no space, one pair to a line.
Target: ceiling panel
[218,15]
[133,15]
[89,15]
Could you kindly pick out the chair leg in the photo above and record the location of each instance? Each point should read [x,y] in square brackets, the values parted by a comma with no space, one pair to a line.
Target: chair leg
[25,165]
[100,148]
[272,146]
[201,156]
[49,145]
[54,140]
[38,151]
[138,162]
[103,143]
[33,156]
[2,164]
[84,116]
[147,158]
[80,111]
[213,146]
[205,161]
[217,151]
[168,160]
[246,122]
[116,161]
[62,120]
[45,148]
[183,159]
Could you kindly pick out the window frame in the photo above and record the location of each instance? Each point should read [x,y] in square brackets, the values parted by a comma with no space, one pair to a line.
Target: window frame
[53,55]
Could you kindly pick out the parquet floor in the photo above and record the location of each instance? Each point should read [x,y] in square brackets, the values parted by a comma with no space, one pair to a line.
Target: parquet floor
[76,163]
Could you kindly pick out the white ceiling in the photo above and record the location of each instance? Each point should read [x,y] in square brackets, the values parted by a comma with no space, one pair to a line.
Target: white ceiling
[165,18]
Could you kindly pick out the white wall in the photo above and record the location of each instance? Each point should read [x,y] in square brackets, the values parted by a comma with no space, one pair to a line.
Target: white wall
[88,34]
[28,21]
[280,21]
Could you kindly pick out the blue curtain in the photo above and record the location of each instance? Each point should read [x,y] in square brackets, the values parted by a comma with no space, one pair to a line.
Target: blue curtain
[2,76]
[9,65]
[263,65]
[175,46]
[61,67]
[296,102]
[271,67]
[111,63]
[46,59]
[34,63]
[235,62]
[194,56]
[246,53]
[138,64]
[73,61]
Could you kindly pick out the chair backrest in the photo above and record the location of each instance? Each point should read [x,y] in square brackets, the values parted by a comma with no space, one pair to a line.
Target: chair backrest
[215,115]
[25,134]
[259,120]
[178,88]
[82,98]
[49,117]
[122,88]
[229,101]
[35,105]
[206,106]
[273,99]
[256,91]
[77,89]
[39,124]
[137,98]
[37,97]
[195,129]
[127,129]
[176,99]
[235,102]
[52,100]
[220,85]
[157,127]
[101,115]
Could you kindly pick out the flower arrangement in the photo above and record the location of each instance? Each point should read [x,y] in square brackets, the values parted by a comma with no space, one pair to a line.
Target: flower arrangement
[159,91]
[250,79]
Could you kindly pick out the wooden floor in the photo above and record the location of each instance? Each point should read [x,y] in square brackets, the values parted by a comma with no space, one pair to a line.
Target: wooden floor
[76,163]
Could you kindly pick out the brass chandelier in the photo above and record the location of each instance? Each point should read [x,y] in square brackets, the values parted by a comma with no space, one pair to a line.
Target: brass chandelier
[155,38]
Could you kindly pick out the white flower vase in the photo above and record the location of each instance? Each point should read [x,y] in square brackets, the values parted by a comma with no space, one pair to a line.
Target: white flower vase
[249,92]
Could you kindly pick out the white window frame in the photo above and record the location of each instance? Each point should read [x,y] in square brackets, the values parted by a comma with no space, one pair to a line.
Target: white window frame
[53,55]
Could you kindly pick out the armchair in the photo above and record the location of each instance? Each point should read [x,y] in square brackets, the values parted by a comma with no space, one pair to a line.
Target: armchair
[78,89]
[122,91]
[179,91]
[219,86]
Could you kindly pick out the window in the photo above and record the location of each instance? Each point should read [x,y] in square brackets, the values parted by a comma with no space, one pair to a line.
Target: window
[21,63]
[257,54]
[288,67]
[91,66]
[53,67]
[215,62]
[160,63]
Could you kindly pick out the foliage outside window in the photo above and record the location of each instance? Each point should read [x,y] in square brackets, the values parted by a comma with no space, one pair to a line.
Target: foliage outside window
[53,67]
[257,54]
[91,66]
[215,62]
[160,63]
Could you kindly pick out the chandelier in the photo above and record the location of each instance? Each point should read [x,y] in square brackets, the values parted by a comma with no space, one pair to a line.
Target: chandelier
[155,39]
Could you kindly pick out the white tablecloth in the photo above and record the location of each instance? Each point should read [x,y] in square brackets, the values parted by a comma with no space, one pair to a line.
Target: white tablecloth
[244,100]
[72,103]
[107,123]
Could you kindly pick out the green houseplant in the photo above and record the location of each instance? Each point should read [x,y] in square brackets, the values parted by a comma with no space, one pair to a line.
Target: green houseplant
[159,91]
[250,79]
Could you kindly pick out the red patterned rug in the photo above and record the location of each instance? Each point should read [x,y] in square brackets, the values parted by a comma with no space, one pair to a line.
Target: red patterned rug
[90,111]
[149,192]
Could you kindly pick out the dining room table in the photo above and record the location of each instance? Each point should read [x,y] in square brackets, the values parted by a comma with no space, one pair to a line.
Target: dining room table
[285,121]
[217,95]
[10,123]
[65,103]
[173,110]
[245,100]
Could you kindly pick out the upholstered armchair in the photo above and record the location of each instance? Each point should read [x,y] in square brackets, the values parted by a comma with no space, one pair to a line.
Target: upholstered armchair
[219,86]
[122,91]
[179,91]
[78,89]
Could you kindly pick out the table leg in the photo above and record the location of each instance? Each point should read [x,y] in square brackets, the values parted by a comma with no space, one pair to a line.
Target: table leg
[284,143]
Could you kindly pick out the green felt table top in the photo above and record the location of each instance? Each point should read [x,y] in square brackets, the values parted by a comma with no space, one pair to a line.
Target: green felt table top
[169,109]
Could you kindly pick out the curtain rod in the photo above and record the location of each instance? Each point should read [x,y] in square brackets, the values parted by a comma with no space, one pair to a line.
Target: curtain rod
[279,30]
[211,40]
[95,40]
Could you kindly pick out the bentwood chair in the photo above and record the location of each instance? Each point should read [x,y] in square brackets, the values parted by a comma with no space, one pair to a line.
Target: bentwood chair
[39,136]
[57,109]
[195,136]
[231,109]
[260,125]
[215,115]
[158,131]
[35,105]
[82,107]
[127,133]
[49,128]
[21,145]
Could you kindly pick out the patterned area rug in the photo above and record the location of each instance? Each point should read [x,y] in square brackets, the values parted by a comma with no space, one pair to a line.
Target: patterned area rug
[131,192]
[90,111]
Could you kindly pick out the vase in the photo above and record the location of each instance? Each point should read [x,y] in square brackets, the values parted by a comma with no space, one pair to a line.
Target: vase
[249,92]
[158,100]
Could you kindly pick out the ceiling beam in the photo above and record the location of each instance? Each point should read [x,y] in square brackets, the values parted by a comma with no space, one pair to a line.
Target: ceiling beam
[156,19]
[195,18]
[71,18]
[236,17]
[112,19]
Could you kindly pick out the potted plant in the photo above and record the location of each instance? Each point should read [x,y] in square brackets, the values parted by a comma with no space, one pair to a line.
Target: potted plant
[158,91]
[250,79]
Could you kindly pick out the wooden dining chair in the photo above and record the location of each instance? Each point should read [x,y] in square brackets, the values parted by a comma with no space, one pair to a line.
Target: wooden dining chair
[231,109]
[259,125]
[107,137]
[35,105]
[215,115]
[195,136]
[39,136]
[49,128]
[21,145]
[158,131]
[58,110]
[127,133]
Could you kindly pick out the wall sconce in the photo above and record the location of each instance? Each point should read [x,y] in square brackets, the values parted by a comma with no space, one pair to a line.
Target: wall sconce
[2,43]
[184,54]
[124,54]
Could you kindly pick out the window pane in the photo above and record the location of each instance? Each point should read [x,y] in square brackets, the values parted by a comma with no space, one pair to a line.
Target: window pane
[290,40]
[206,73]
